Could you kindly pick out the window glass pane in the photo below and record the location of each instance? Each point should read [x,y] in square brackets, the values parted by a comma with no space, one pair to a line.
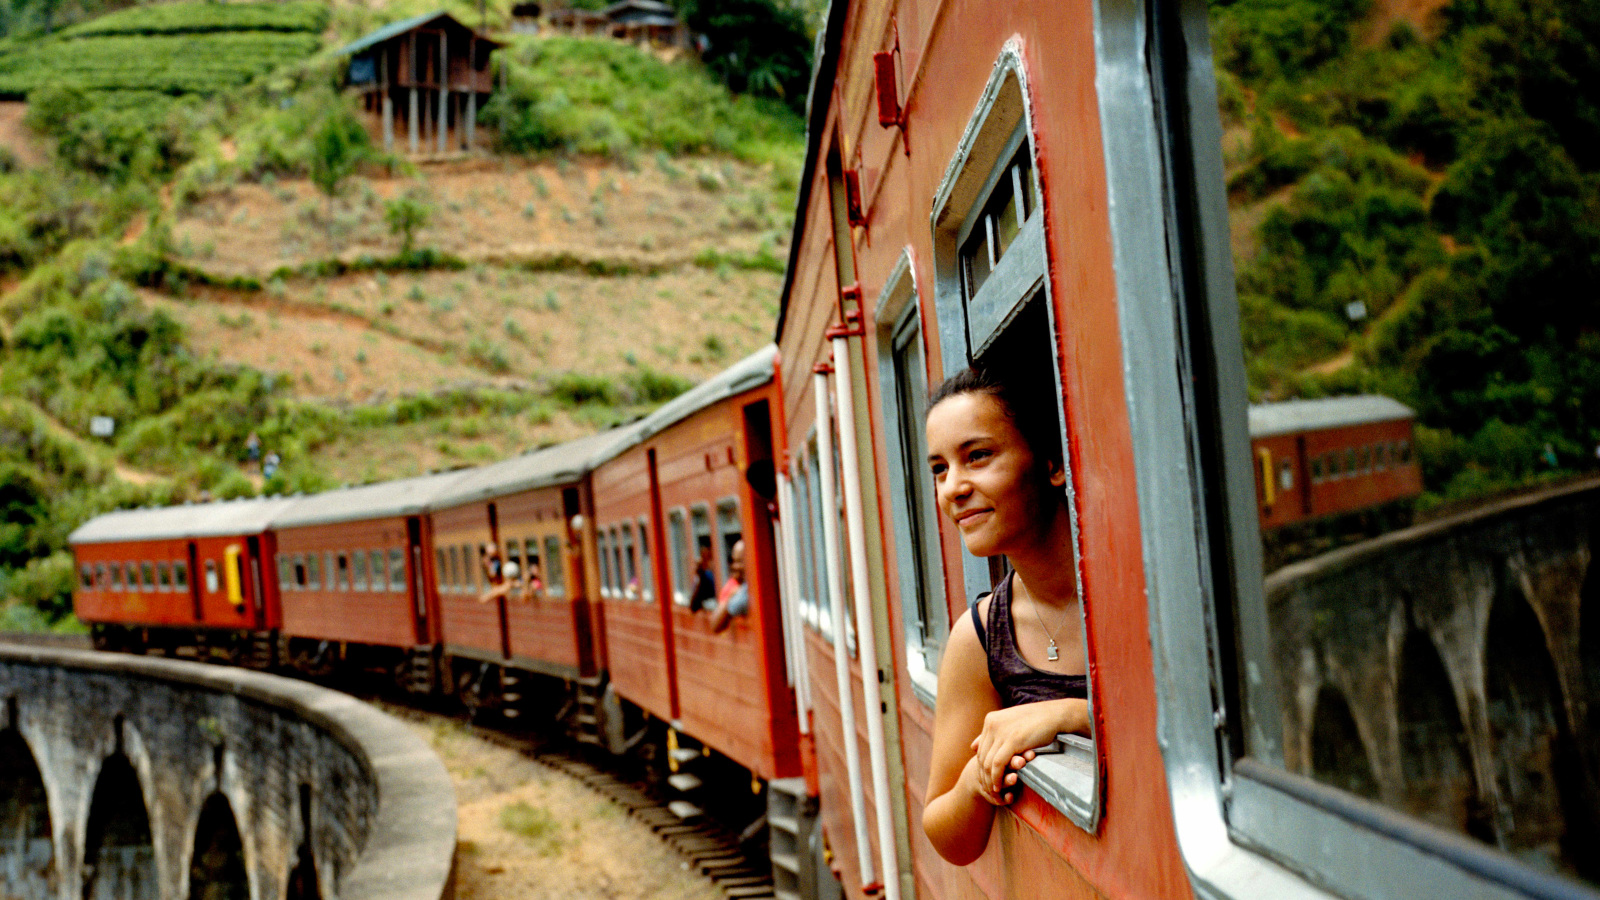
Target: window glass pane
[603,546]
[730,531]
[213,584]
[647,575]
[342,561]
[441,569]
[359,564]
[915,539]
[164,576]
[147,575]
[678,556]
[116,576]
[397,569]
[631,561]
[100,576]
[618,579]
[1420,345]
[455,569]
[555,572]
[703,579]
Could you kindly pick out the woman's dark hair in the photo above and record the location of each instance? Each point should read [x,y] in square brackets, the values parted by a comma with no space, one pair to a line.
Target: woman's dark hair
[1023,399]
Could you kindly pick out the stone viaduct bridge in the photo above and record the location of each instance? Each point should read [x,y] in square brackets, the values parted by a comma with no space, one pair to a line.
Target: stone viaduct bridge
[1452,671]
[151,779]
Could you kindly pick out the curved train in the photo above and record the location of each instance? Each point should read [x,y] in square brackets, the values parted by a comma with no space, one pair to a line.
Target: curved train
[1041,183]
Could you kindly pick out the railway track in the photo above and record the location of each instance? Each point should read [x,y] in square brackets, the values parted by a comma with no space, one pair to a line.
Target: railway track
[709,847]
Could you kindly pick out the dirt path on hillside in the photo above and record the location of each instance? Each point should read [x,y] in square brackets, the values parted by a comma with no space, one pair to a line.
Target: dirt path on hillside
[17,137]
[527,832]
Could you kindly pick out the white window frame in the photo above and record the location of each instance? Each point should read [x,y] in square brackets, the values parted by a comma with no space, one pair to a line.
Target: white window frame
[1000,127]
[678,541]
[898,313]
[647,572]
[603,557]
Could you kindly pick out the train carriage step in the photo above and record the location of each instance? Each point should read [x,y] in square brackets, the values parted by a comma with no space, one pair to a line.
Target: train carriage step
[683,809]
[683,782]
[683,755]
[786,861]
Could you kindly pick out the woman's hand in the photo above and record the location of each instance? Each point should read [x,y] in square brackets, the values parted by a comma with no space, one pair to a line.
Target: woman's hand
[1009,737]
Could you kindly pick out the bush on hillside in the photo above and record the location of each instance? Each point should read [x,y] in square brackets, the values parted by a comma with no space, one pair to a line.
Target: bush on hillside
[758,47]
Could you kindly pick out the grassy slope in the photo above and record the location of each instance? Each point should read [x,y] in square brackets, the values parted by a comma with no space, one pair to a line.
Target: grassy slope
[566,292]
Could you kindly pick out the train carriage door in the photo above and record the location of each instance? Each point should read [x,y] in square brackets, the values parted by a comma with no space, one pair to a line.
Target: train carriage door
[415,584]
[194,582]
[257,595]
[761,574]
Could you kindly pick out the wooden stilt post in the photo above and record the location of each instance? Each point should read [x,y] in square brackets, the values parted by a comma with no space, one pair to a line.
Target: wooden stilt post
[413,123]
[443,125]
[388,101]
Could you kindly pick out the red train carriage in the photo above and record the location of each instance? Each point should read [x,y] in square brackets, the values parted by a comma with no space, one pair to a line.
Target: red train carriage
[697,479]
[532,509]
[354,566]
[169,574]
[1319,458]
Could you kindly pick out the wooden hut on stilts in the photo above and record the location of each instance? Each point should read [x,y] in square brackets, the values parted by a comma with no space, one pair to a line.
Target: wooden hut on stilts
[427,75]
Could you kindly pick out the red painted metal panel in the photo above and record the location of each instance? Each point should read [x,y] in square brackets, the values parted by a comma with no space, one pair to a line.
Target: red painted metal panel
[382,616]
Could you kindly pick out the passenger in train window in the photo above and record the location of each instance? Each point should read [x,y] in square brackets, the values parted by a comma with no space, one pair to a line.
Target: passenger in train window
[705,578]
[1013,673]
[734,598]
[493,573]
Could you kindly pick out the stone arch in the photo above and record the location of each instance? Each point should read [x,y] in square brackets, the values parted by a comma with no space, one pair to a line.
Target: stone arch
[217,868]
[119,854]
[1532,754]
[27,848]
[1338,755]
[303,881]
[1435,760]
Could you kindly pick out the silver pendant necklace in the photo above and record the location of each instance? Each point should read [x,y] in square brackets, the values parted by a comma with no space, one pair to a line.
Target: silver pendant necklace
[1050,653]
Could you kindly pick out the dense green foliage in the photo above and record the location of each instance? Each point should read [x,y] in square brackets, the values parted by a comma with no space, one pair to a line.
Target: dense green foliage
[604,97]
[759,47]
[173,64]
[1449,184]
[198,18]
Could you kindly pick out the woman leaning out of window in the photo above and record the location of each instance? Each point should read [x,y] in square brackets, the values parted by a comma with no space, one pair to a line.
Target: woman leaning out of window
[1012,676]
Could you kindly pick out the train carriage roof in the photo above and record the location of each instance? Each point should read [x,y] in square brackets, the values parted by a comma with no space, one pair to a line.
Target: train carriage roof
[560,464]
[1294,416]
[385,499]
[752,371]
[223,518]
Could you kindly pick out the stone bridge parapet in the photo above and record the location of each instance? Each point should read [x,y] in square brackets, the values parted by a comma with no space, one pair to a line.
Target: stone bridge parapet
[1450,670]
[251,785]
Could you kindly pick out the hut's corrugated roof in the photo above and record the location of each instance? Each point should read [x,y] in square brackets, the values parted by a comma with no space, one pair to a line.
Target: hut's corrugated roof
[222,518]
[1292,416]
[395,29]
[408,496]
[561,464]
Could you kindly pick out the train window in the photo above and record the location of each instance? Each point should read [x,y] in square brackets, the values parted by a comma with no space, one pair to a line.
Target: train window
[700,528]
[164,576]
[358,570]
[300,578]
[342,568]
[988,210]
[555,572]
[453,570]
[514,555]
[147,579]
[603,551]
[116,576]
[397,569]
[441,570]
[619,580]
[630,565]
[1403,706]
[213,580]
[903,376]
[647,575]
[802,533]
[180,575]
[678,557]
[824,593]
[1286,475]
[329,570]
[86,576]
[1316,470]
[100,576]
[730,531]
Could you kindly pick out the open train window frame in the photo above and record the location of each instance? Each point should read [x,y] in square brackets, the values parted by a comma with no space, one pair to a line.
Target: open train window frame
[1245,828]
[902,380]
[678,554]
[647,572]
[996,150]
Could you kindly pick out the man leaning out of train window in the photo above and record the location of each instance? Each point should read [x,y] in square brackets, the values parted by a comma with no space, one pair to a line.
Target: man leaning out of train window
[1012,677]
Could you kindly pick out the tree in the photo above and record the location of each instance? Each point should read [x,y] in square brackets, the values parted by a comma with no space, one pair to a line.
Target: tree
[337,147]
[756,46]
[406,214]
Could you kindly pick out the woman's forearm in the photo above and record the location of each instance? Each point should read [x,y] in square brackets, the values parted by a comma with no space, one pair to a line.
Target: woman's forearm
[958,821]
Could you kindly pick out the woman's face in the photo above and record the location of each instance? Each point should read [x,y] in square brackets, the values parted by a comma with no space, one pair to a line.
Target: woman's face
[985,477]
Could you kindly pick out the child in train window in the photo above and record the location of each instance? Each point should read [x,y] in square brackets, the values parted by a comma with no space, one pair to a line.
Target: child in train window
[1013,672]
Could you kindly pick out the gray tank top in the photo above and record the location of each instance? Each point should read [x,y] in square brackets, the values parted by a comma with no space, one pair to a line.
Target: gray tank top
[1014,679]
